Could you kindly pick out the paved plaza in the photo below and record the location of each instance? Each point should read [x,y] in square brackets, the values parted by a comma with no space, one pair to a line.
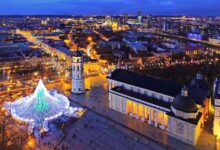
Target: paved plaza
[94,132]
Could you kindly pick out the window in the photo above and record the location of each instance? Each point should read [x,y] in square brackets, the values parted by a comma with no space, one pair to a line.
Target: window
[153,94]
[123,86]
[132,89]
[77,67]
[161,97]
[73,67]
[110,85]
[218,88]
[146,93]
[138,91]
[170,99]
[77,60]
[180,128]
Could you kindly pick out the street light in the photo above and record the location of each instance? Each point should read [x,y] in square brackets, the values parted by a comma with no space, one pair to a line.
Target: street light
[35,73]
[89,38]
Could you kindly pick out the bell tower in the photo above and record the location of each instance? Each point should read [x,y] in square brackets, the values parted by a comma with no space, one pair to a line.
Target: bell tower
[78,86]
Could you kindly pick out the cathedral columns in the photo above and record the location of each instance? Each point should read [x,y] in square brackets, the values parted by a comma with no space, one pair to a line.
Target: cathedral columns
[162,123]
[155,118]
[149,115]
[132,111]
[137,109]
[143,113]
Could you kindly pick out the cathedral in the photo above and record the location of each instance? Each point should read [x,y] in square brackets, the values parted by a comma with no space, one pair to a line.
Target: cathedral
[181,110]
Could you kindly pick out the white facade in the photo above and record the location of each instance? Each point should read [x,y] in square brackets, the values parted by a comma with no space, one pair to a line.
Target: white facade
[183,130]
[161,116]
[216,123]
[78,86]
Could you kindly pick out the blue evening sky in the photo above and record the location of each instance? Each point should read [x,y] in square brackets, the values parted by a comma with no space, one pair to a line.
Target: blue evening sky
[109,7]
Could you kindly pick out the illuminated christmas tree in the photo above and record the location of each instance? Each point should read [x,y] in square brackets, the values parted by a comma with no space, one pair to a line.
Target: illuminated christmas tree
[41,104]
[39,107]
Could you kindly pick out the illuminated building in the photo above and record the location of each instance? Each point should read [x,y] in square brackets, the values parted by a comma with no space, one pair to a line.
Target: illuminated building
[139,17]
[43,22]
[78,86]
[40,108]
[216,123]
[180,110]
[108,20]
[114,25]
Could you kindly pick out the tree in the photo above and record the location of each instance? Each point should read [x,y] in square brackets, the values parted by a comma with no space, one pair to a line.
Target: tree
[3,127]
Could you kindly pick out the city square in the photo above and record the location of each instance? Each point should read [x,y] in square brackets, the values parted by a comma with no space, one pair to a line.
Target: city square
[110,75]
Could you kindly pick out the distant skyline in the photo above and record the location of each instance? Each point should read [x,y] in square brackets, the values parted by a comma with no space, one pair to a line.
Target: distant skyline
[110,7]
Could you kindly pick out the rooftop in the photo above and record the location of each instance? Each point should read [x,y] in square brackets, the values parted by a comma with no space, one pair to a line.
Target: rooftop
[142,97]
[166,87]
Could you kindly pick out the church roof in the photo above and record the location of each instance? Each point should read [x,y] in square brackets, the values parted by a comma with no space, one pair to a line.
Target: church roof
[184,102]
[76,53]
[142,97]
[199,81]
[166,87]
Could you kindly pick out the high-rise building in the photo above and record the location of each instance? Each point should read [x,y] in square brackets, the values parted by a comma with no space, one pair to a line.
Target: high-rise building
[139,17]
[108,20]
[125,18]
[78,86]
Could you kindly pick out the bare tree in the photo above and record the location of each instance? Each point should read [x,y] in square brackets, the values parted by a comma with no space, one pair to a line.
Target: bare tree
[11,134]
[3,127]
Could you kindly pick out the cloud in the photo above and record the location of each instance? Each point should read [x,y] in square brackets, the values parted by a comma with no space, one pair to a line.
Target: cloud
[167,2]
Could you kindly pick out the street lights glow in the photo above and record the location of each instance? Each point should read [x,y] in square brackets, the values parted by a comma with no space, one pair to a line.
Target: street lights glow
[89,38]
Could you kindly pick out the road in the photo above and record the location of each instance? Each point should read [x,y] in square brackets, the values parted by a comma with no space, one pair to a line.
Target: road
[181,37]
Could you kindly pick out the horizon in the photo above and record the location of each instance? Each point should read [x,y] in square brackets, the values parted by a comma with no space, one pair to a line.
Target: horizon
[113,7]
[131,15]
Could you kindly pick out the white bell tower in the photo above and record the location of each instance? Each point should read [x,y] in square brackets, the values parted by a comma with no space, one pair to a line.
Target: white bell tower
[78,86]
[216,123]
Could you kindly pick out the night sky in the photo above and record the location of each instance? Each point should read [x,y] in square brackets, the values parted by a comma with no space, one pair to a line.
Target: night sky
[110,7]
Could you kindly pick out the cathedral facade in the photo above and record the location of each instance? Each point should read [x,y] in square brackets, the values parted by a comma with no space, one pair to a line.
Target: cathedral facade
[180,110]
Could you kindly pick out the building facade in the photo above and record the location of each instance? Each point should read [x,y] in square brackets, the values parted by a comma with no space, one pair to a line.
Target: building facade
[78,86]
[216,123]
[170,106]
